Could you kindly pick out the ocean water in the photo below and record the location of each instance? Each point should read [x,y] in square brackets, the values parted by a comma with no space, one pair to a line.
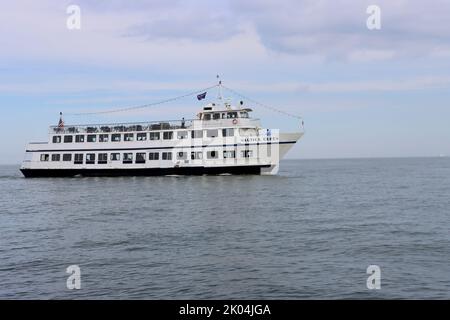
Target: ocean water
[310,232]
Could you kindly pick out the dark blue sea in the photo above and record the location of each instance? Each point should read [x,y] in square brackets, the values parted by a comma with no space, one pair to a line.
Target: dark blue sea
[308,233]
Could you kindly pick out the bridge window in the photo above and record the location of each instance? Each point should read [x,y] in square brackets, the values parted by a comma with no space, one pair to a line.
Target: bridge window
[229,154]
[78,158]
[167,155]
[140,157]
[212,154]
[228,132]
[79,138]
[92,138]
[90,158]
[115,156]
[231,115]
[182,135]
[56,139]
[153,156]
[244,114]
[168,135]
[103,138]
[212,133]
[197,134]
[45,157]
[56,157]
[181,155]
[115,137]
[128,137]
[68,139]
[207,116]
[141,136]
[67,157]
[102,158]
[154,136]
[127,158]
[247,153]
[196,155]
[216,116]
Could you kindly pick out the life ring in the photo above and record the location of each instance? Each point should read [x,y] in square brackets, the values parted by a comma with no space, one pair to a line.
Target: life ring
[235,121]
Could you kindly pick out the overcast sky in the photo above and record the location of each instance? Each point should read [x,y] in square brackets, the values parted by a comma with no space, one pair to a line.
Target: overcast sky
[362,93]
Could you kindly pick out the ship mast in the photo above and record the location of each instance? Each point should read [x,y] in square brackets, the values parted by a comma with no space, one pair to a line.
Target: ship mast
[220,96]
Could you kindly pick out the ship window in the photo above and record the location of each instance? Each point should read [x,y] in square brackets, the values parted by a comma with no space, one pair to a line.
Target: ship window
[182,135]
[246,132]
[216,116]
[68,139]
[168,135]
[229,154]
[154,136]
[181,155]
[244,114]
[90,158]
[228,132]
[141,137]
[231,115]
[197,134]
[127,158]
[67,157]
[102,158]
[212,154]
[79,138]
[167,155]
[45,157]
[140,157]
[196,155]
[153,156]
[103,138]
[128,137]
[207,116]
[212,133]
[56,139]
[56,157]
[78,158]
[92,138]
[115,156]
[247,153]
[115,137]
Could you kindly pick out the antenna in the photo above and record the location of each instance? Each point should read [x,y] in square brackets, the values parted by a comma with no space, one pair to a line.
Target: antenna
[219,95]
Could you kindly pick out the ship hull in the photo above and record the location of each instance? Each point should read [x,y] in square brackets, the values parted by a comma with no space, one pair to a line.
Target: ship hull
[94,172]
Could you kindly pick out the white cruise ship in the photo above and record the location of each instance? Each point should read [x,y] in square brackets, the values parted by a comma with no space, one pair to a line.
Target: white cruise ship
[221,140]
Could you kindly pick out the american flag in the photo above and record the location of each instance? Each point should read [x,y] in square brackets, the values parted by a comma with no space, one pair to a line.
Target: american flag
[61,121]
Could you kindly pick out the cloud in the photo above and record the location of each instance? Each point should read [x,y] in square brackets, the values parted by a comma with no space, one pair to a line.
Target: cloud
[338,28]
[185,34]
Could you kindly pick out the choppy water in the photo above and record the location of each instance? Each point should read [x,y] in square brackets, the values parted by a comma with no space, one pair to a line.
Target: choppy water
[309,232]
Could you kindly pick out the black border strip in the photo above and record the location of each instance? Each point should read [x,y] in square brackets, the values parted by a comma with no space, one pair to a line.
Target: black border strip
[158,148]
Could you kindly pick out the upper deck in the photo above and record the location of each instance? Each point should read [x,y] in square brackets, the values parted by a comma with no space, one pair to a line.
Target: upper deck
[210,117]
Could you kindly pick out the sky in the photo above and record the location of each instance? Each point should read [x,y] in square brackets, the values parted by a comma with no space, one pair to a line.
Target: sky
[361,92]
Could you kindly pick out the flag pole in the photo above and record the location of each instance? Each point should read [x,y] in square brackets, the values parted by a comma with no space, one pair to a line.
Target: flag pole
[219,97]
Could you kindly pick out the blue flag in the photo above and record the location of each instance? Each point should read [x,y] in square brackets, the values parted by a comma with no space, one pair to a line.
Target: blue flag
[201,96]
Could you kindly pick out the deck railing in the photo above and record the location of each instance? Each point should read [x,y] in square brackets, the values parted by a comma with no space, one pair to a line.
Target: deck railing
[151,126]
[122,127]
